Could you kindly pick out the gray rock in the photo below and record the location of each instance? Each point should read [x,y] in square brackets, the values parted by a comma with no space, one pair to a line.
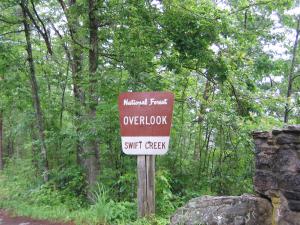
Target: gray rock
[292,129]
[224,210]
[288,138]
[277,174]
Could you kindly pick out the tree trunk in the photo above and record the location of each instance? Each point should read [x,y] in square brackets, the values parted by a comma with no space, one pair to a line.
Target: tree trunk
[35,94]
[291,74]
[75,60]
[85,100]
[34,147]
[1,141]
[201,114]
[92,160]
[10,146]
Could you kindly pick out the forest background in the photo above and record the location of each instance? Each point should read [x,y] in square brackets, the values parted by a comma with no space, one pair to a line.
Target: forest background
[233,66]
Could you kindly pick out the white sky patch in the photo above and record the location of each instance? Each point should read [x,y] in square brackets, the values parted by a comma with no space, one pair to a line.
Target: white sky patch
[157,4]
[161,69]
[223,5]
[277,50]
[274,17]
[215,48]
[293,12]
[277,79]
[280,49]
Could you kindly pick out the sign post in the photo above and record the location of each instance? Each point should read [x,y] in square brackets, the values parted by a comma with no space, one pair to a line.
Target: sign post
[145,119]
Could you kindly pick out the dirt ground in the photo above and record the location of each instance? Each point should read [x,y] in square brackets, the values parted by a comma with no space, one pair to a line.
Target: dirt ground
[8,219]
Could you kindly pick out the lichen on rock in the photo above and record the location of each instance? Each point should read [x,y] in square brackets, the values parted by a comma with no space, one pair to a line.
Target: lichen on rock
[224,210]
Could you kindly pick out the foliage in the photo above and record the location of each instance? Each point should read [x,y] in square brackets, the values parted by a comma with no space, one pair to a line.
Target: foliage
[228,64]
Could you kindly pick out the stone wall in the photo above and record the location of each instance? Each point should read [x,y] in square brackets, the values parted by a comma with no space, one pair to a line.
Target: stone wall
[277,175]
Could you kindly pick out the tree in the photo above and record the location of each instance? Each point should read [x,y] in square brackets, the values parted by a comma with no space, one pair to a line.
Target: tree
[291,75]
[1,141]
[92,148]
[35,93]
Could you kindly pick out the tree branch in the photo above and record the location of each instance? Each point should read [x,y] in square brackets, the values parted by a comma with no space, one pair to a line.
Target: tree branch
[12,32]
[71,30]
[67,51]
[295,77]
[40,20]
[10,21]
[44,35]
[251,5]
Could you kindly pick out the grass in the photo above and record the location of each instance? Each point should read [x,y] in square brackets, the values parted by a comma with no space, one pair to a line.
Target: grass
[20,197]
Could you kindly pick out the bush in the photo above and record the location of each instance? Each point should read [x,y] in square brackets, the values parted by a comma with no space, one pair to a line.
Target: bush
[63,198]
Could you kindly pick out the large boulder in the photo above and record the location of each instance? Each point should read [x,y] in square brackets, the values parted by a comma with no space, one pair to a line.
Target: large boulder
[224,210]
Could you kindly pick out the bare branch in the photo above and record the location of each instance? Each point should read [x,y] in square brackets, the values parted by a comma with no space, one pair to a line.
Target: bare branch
[67,51]
[39,19]
[44,35]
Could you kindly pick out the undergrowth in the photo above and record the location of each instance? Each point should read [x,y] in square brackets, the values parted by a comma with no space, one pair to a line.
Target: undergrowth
[23,194]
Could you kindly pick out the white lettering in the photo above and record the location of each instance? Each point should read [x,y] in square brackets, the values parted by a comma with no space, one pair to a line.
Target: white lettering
[150,102]
[142,120]
[131,118]
[145,120]
[154,101]
[135,102]
[125,120]
[158,120]
[152,120]
[136,120]
[164,120]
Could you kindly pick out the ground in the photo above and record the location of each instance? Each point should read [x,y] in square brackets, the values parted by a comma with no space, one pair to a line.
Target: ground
[8,219]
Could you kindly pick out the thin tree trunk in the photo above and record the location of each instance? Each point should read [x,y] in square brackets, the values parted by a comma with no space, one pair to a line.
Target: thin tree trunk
[291,74]
[200,120]
[35,94]
[10,146]
[34,148]
[1,141]
[75,60]
[92,145]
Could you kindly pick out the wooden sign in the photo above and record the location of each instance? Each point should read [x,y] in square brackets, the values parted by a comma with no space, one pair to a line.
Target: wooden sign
[145,119]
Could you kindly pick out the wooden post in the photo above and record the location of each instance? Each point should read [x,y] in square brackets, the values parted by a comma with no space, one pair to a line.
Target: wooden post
[146,185]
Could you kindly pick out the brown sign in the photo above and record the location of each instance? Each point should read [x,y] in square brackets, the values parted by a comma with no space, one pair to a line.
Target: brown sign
[145,119]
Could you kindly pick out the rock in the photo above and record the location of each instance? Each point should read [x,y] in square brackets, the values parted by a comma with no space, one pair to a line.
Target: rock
[264,181]
[224,210]
[277,174]
[292,195]
[294,205]
[288,138]
[292,129]
[261,134]
[285,212]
